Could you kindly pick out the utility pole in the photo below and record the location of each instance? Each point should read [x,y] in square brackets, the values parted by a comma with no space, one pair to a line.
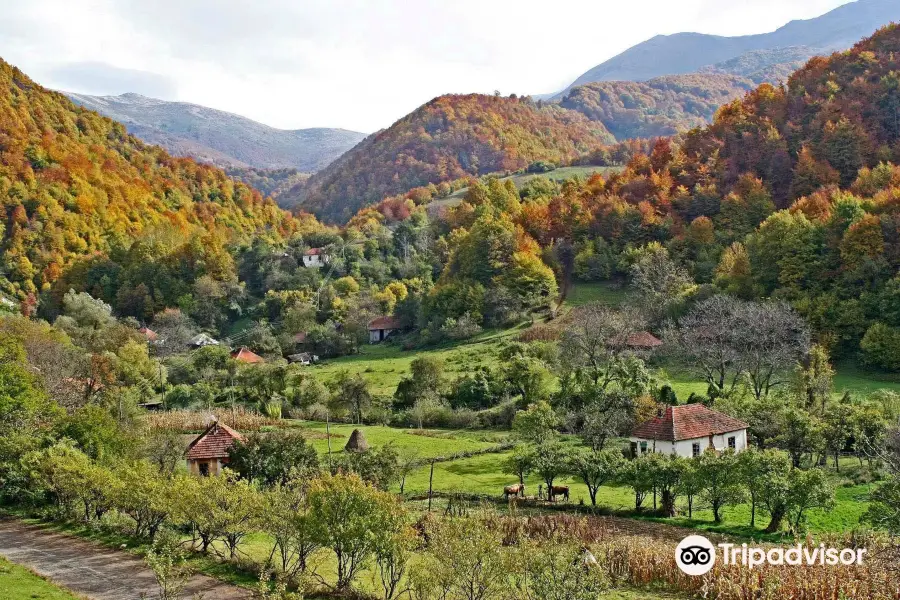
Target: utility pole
[328,432]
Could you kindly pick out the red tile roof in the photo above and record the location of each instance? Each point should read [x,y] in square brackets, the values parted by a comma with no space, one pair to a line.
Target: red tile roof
[213,443]
[314,251]
[643,339]
[687,422]
[149,333]
[244,355]
[384,323]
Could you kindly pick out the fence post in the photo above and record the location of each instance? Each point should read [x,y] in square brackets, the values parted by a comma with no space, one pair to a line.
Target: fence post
[430,482]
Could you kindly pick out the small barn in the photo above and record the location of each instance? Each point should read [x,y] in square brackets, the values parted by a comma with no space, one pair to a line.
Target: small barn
[208,454]
[381,328]
[246,356]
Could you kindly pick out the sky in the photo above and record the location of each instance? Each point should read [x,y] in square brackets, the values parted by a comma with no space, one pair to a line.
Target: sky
[355,64]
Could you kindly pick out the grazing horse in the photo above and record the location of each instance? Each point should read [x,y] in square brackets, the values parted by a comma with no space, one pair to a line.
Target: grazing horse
[514,491]
[558,490]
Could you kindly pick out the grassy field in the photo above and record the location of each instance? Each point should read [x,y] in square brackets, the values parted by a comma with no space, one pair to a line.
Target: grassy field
[384,365]
[423,444]
[19,583]
[590,293]
[486,474]
[520,179]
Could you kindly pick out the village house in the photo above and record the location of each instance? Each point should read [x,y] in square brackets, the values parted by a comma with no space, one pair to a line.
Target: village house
[202,340]
[247,356]
[315,257]
[208,454]
[381,328]
[148,333]
[687,431]
[643,340]
[303,358]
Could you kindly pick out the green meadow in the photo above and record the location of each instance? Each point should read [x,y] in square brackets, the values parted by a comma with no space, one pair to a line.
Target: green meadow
[19,583]
[486,475]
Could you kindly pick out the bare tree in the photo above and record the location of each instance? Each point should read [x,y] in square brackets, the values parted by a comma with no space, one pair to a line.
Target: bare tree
[723,338]
[598,336]
[705,341]
[772,337]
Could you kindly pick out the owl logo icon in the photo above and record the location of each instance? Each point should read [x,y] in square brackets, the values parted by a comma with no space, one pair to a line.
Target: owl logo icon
[695,555]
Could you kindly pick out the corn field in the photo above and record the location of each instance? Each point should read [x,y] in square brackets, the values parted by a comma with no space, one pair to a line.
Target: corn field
[643,561]
[186,421]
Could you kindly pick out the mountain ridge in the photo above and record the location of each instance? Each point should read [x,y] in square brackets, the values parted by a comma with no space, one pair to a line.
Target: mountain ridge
[220,137]
[451,137]
[687,52]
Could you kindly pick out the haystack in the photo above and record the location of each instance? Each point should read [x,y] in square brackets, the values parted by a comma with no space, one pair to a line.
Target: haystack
[357,442]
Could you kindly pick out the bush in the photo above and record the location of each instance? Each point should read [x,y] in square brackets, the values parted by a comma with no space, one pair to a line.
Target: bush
[461,328]
[881,347]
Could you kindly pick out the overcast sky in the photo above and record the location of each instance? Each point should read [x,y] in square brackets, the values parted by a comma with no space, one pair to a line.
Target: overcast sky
[356,64]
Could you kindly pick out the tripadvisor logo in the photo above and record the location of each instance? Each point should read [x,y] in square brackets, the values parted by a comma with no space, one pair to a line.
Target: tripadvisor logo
[696,555]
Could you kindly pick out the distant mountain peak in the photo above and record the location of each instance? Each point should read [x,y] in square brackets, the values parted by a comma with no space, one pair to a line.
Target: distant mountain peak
[220,137]
[687,52]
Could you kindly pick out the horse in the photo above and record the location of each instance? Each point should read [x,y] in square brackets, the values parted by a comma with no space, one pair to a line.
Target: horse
[558,490]
[514,491]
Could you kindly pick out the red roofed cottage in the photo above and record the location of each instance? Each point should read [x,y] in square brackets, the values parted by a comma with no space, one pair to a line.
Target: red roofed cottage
[688,431]
[209,452]
[246,356]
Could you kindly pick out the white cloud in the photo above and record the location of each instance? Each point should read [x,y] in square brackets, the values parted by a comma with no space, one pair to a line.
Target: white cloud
[357,64]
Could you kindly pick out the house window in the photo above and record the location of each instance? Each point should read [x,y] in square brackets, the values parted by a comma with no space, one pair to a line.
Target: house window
[695,449]
[643,447]
[204,468]
[732,443]
[634,448]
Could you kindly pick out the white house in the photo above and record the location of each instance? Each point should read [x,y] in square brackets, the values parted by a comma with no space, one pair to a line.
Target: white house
[315,258]
[688,430]
[381,328]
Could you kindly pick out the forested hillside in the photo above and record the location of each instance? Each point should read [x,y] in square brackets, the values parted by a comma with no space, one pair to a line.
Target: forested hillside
[88,205]
[660,107]
[791,193]
[448,138]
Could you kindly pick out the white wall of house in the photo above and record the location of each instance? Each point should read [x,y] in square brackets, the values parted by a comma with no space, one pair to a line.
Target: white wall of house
[315,260]
[685,448]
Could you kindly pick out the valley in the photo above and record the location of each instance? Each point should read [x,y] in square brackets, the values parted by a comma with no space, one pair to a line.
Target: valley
[503,348]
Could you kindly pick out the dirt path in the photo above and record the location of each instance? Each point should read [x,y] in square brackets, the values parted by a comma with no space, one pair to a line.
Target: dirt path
[94,571]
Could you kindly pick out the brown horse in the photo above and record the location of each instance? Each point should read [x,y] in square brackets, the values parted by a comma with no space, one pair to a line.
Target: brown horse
[558,490]
[514,491]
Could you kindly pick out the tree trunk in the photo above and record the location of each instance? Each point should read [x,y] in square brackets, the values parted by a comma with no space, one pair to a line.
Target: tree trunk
[775,522]
[668,503]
